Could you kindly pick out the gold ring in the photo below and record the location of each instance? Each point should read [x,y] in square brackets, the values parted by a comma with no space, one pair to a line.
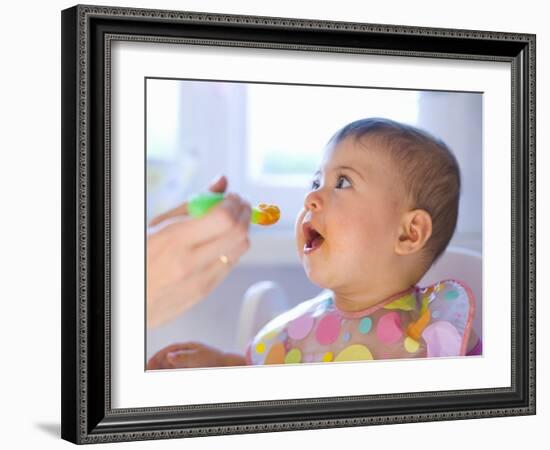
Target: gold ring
[224,259]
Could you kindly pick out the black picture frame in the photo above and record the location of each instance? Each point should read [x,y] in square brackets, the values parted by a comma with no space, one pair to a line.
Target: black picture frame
[87,415]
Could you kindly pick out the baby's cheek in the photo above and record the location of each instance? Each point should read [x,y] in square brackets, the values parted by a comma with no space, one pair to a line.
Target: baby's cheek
[378,232]
[363,254]
[359,238]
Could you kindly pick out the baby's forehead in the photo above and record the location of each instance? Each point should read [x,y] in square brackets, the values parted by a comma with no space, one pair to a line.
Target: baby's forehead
[366,153]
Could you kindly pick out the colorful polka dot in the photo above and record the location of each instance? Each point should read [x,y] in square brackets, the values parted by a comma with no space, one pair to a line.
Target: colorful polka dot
[451,295]
[260,347]
[294,356]
[328,329]
[405,303]
[347,336]
[411,345]
[442,339]
[327,357]
[365,325]
[354,352]
[389,329]
[308,358]
[299,328]
[276,354]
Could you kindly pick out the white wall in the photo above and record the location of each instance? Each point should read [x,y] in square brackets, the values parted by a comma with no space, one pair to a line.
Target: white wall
[30,229]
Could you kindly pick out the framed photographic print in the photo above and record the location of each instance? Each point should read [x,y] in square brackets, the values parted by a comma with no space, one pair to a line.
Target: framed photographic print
[259,214]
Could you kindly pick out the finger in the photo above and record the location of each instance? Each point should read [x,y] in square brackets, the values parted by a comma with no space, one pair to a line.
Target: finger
[154,228]
[222,219]
[158,363]
[232,245]
[181,358]
[153,364]
[240,246]
[245,216]
[178,211]
[219,185]
[213,273]
[210,261]
[158,360]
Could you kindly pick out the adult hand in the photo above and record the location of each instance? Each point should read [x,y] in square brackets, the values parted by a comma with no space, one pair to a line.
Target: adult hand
[193,354]
[188,257]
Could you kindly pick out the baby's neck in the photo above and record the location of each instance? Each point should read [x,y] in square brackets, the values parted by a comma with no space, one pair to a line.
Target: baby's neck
[358,301]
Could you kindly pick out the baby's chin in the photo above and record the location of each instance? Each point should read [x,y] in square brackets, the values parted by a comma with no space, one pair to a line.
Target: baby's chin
[318,276]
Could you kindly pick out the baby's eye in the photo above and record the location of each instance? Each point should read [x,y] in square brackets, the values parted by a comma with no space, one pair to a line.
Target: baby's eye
[315,184]
[342,182]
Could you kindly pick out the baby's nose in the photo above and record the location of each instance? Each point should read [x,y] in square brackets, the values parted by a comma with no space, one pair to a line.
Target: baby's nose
[313,201]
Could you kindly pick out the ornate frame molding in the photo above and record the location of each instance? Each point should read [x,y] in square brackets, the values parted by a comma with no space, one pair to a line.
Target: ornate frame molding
[84,421]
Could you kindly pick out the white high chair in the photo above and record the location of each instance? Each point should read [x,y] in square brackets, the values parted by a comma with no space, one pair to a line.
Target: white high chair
[265,300]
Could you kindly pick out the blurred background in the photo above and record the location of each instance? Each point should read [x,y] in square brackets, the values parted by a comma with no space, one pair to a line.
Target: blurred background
[268,140]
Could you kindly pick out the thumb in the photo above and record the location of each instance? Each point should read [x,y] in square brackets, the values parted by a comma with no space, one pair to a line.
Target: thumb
[219,184]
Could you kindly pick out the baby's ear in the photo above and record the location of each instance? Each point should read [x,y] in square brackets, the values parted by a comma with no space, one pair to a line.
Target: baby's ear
[414,231]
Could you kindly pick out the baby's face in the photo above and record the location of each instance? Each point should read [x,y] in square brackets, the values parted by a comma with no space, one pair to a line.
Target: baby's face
[348,227]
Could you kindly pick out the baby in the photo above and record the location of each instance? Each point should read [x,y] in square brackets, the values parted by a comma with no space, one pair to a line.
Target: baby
[382,208]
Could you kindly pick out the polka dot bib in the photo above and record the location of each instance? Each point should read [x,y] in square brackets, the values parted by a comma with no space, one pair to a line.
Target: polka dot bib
[420,322]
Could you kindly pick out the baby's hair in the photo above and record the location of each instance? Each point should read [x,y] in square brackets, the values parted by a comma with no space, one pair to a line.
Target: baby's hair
[428,168]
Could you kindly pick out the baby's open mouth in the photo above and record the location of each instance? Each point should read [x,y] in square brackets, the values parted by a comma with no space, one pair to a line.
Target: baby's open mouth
[313,238]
